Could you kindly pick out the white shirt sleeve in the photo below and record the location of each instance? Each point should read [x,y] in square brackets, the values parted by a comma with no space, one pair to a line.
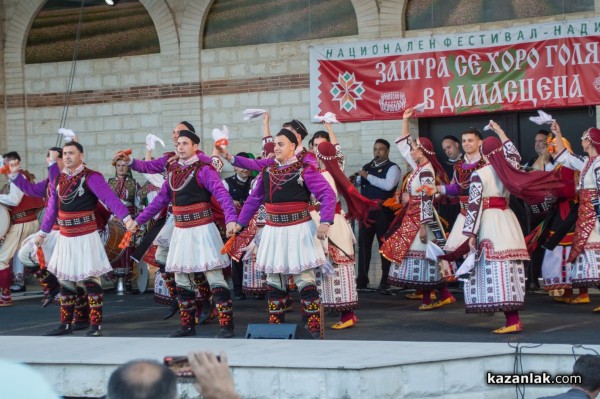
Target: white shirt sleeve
[14,196]
[389,182]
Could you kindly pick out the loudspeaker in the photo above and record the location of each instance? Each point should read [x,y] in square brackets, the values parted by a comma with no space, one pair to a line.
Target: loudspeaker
[277,331]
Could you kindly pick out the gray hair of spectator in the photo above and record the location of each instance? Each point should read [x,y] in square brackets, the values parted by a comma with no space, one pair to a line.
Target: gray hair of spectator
[588,367]
[384,142]
[142,379]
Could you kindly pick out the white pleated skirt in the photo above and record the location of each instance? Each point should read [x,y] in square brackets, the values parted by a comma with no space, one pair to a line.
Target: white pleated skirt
[78,258]
[196,249]
[290,249]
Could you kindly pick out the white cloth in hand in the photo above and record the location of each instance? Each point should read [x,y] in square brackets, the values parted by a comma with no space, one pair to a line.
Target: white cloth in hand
[251,113]
[329,117]
[151,141]
[542,118]
[67,133]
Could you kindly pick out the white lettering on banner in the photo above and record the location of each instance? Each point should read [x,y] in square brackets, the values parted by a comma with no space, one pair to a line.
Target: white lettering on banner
[550,64]
[567,55]
[511,91]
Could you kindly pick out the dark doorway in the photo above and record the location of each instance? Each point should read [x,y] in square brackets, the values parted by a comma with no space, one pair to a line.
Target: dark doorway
[573,121]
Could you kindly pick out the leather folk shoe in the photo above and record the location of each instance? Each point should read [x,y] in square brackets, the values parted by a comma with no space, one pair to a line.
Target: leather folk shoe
[225,332]
[62,329]
[173,308]
[80,325]
[94,331]
[509,329]
[447,301]
[209,312]
[340,325]
[183,332]
[585,298]
[427,307]
[596,310]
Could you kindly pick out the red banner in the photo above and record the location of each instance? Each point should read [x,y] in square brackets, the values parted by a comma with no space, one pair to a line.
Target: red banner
[477,72]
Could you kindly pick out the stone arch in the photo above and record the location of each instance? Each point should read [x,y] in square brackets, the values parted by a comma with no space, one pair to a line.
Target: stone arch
[392,18]
[16,30]
[367,17]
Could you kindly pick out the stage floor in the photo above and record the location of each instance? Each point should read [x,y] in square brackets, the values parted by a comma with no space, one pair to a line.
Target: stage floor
[382,318]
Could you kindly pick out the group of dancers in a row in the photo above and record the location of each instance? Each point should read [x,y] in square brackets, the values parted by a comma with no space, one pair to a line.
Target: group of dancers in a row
[288,227]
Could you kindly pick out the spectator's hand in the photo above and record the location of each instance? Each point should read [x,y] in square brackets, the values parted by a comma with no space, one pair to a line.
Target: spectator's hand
[213,378]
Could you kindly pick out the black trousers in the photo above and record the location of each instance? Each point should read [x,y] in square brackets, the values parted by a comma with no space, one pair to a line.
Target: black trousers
[381,218]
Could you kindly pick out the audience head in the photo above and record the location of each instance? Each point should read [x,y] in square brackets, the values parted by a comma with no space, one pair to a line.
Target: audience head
[381,150]
[142,379]
[451,146]
[588,368]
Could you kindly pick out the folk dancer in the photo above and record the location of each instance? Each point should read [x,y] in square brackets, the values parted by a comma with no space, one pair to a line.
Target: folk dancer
[338,289]
[555,235]
[196,241]
[126,188]
[164,236]
[79,256]
[585,250]
[28,251]
[289,243]
[497,280]
[238,185]
[406,241]
[23,217]
[456,242]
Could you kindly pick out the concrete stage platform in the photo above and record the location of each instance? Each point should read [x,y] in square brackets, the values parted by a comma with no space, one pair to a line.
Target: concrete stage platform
[394,352]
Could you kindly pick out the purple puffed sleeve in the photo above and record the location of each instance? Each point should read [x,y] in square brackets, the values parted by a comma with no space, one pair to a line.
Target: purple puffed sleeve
[254,201]
[31,189]
[252,164]
[210,178]
[161,200]
[321,189]
[152,166]
[51,209]
[102,190]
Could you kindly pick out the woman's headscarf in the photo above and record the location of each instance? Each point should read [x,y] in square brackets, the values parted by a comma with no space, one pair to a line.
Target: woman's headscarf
[427,147]
[593,135]
[358,206]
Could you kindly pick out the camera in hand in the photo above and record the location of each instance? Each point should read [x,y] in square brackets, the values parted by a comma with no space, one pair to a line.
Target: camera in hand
[180,365]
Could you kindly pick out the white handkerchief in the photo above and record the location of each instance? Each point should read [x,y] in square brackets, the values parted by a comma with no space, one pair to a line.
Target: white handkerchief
[251,113]
[467,266]
[329,117]
[151,141]
[220,134]
[67,133]
[542,119]
[487,127]
[433,251]
[420,107]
